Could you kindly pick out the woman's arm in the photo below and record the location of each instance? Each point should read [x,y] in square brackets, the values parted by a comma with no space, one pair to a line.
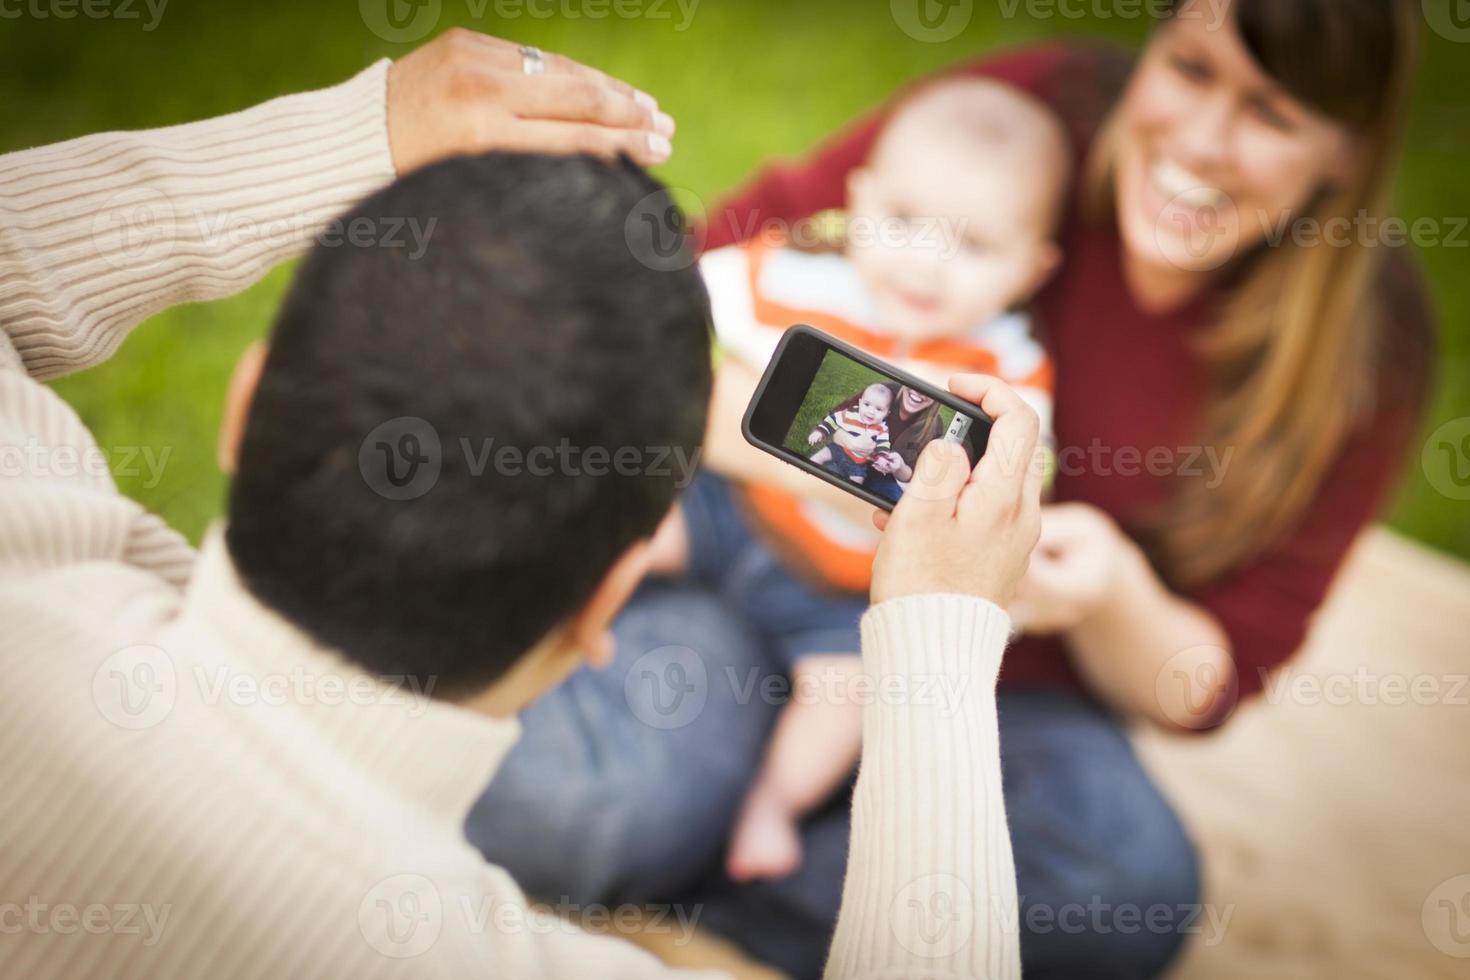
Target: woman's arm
[104,231]
[1143,650]
[1185,661]
[99,233]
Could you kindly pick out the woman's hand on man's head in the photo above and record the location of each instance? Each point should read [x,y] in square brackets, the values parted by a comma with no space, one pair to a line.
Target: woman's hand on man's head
[466,92]
[958,530]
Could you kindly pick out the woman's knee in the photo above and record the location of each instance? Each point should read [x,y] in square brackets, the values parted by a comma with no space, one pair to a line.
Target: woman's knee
[1130,924]
[1109,879]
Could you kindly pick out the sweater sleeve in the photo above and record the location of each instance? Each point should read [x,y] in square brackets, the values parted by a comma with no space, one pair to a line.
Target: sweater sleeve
[931,882]
[101,232]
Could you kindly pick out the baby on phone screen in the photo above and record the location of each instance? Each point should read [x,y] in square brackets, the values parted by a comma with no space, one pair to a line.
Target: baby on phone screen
[858,434]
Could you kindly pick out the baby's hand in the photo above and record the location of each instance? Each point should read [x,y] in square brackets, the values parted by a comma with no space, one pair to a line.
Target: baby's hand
[814,438]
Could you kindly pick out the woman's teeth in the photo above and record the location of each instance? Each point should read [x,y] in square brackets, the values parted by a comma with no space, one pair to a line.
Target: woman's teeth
[1182,187]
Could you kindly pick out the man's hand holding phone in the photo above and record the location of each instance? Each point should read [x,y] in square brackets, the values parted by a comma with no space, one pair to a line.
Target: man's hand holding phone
[958,530]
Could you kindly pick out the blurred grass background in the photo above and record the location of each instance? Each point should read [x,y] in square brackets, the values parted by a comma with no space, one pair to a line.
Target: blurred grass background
[747,80]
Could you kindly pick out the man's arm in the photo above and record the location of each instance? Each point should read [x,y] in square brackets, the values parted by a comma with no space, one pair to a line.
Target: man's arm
[931,883]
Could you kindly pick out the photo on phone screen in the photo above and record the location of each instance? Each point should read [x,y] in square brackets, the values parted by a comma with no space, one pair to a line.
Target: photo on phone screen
[856,422]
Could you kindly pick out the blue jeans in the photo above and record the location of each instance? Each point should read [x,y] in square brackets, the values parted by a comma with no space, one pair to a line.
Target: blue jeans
[626,781]
[842,465]
[624,791]
[795,618]
[885,486]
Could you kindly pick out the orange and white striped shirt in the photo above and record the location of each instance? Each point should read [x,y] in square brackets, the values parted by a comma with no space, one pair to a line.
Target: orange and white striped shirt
[870,434]
[759,290]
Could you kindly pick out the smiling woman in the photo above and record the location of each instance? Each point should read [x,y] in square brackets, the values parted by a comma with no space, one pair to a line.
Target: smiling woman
[1220,140]
[1183,318]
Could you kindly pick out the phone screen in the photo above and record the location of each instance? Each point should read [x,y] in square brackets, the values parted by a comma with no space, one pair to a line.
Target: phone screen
[857,422]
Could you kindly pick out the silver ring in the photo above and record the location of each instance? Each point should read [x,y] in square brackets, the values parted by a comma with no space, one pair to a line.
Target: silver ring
[533,62]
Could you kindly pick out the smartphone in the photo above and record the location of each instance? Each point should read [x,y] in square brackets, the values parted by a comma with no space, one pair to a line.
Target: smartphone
[844,416]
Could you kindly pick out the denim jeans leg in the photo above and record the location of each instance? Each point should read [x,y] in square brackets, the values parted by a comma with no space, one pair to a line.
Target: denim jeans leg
[626,781]
[1109,879]
[1092,837]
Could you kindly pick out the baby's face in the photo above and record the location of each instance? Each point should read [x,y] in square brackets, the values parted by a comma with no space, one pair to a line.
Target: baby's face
[874,403]
[945,241]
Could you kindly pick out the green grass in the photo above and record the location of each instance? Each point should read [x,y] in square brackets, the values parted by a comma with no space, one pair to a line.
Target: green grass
[748,80]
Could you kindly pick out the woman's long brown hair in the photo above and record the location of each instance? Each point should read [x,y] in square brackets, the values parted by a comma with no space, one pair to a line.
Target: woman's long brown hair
[1293,357]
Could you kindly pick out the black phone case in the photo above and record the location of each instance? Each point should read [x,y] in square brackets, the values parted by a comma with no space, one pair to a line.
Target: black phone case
[903,377]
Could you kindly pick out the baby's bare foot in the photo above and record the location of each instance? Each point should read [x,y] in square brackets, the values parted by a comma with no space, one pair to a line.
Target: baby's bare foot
[766,843]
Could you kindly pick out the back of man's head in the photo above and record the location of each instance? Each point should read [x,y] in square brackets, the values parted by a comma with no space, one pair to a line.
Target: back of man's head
[430,477]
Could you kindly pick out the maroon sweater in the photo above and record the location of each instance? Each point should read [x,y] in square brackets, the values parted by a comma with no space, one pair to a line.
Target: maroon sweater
[1129,382]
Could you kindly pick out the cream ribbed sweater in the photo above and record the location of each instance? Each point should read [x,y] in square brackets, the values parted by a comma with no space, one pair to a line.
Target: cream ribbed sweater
[193,788]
